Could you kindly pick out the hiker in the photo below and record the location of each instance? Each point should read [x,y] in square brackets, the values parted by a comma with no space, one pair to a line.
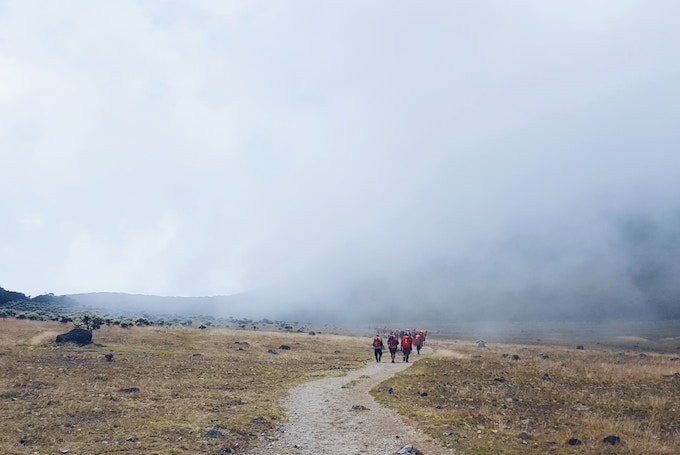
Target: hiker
[406,342]
[392,344]
[378,347]
[418,342]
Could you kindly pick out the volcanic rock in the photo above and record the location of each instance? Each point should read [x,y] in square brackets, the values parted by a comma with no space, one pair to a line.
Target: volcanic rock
[79,336]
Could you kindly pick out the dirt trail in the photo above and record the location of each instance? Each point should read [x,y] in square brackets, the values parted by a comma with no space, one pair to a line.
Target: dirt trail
[321,419]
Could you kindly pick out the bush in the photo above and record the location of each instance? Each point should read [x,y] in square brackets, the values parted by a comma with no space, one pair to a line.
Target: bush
[89,322]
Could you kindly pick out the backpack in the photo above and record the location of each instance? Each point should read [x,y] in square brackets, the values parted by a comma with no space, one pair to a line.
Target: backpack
[392,341]
[406,342]
[377,342]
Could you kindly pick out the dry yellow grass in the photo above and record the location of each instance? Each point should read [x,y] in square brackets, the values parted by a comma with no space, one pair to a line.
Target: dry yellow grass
[478,402]
[163,390]
[166,386]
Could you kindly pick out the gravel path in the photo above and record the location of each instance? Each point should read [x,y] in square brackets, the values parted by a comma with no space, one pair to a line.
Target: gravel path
[322,421]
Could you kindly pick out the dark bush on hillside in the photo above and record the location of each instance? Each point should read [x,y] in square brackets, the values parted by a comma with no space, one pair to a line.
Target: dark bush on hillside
[10,296]
[89,322]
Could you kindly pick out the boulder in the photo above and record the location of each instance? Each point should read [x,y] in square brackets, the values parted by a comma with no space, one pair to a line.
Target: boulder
[612,439]
[79,336]
[214,433]
[408,449]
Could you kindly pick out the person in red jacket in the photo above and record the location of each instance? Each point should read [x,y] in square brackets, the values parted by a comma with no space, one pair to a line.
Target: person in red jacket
[378,346]
[406,342]
[392,344]
[418,342]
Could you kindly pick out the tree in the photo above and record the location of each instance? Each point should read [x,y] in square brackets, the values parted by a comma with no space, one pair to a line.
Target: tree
[89,322]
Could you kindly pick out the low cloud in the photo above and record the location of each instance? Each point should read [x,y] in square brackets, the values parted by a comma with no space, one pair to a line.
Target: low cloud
[345,160]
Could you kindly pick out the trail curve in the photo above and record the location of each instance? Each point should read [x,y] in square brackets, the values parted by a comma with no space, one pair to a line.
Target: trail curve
[322,419]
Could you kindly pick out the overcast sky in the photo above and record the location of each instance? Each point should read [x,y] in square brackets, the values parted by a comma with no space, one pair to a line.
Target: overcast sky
[440,151]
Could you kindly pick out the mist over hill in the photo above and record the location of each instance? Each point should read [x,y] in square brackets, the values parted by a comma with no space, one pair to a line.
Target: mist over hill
[626,269]
[222,306]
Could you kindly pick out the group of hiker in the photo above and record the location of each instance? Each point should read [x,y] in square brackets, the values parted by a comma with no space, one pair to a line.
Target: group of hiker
[404,340]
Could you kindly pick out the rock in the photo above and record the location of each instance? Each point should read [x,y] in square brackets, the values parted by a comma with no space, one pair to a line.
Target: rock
[546,377]
[272,351]
[574,442]
[312,333]
[79,336]
[214,433]
[580,407]
[359,407]
[284,347]
[499,379]
[611,439]
[544,356]
[481,343]
[505,356]
[423,394]
[129,390]
[408,449]
[580,347]
[515,357]
[108,357]
[258,419]
[524,436]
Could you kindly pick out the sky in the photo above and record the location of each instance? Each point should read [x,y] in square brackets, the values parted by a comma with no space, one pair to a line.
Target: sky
[496,156]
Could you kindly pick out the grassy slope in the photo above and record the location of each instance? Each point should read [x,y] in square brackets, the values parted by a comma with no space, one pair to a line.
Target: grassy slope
[55,398]
[457,395]
[63,397]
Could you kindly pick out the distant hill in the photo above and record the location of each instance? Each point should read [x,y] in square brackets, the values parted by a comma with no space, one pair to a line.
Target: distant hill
[127,310]
[115,302]
[43,307]
[20,301]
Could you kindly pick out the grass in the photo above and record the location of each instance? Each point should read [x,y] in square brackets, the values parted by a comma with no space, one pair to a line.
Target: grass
[164,388]
[167,386]
[478,401]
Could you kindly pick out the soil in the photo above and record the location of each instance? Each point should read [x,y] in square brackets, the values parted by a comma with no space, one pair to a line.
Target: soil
[322,421]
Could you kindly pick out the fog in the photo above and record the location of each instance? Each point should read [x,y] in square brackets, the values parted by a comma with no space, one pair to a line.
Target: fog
[346,160]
